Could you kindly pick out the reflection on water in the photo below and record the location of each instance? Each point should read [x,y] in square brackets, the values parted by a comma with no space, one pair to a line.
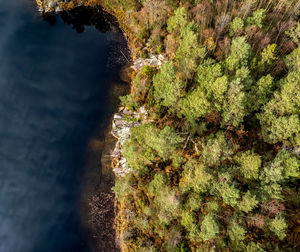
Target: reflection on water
[54,86]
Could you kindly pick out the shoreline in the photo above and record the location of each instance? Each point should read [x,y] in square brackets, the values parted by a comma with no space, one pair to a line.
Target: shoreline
[97,204]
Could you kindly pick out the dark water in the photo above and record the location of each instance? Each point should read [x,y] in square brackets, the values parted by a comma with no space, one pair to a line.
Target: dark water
[54,94]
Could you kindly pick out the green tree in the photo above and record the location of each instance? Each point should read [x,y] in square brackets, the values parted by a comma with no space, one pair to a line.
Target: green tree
[195,177]
[248,202]
[216,149]
[268,54]
[240,53]
[194,105]
[178,19]
[278,226]
[236,26]
[236,232]
[187,220]
[249,164]
[209,228]
[294,33]
[226,189]
[280,118]
[257,18]
[157,184]
[261,92]
[168,89]
[290,164]
[189,52]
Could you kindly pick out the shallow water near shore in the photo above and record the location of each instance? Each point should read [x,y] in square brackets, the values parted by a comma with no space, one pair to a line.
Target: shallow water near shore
[56,94]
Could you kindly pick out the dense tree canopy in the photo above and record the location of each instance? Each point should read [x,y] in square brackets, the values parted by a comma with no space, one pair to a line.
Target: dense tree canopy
[218,168]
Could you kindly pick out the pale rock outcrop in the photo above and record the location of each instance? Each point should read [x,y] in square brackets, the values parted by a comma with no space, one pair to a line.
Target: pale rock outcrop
[122,124]
[153,60]
[49,5]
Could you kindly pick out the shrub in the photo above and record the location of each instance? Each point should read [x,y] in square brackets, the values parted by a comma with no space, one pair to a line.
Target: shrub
[148,71]
[129,102]
[122,187]
[268,54]
[294,33]
[160,49]
[168,204]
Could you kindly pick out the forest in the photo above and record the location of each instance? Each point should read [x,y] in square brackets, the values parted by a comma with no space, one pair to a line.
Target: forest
[216,167]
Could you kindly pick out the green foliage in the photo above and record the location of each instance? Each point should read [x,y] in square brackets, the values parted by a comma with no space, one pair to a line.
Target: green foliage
[148,71]
[240,53]
[212,207]
[187,219]
[194,105]
[236,232]
[167,203]
[182,247]
[157,184]
[290,164]
[261,92]
[129,102]
[227,190]
[142,223]
[160,49]
[195,177]
[179,19]
[249,163]
[268,54]
[216,149]
[189,52]
[193,202]
[248,202]
[210,77]
[280,118]
[294,33]
[122,187]
[254,247]
[278,226]
[236,25]
[236,101]
[167,87]
[144,54]
[235,107]
[257,18]
[209,228]
[146,142]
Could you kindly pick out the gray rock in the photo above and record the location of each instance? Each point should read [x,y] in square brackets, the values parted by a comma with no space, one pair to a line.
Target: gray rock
[122,124]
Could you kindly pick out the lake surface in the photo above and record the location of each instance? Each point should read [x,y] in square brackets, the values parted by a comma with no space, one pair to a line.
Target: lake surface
[55,94]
